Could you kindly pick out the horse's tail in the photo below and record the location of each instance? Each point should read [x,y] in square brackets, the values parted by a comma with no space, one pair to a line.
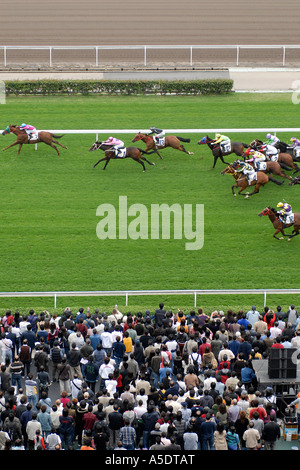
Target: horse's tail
[57,136]
[182,139]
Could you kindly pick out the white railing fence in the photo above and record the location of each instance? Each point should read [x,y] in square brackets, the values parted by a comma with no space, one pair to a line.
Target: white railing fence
[195,293]
[234,55]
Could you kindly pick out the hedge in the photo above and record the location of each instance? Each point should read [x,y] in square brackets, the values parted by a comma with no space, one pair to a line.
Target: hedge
[122,87]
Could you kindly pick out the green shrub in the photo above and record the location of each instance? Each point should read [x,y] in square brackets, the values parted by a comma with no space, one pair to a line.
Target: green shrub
[122,87]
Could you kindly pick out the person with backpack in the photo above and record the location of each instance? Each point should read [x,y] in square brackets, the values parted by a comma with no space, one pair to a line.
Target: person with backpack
[195,360]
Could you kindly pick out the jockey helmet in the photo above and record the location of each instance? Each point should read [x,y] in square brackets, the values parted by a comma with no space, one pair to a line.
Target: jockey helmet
[218,135]
[280,204]
[23,125]
[293,139]
[110,138]
[268,136]
[247,151]
[242,164]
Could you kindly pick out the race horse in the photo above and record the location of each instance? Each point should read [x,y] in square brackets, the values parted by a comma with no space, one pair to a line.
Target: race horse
[236,147]
[110,154]
[241,181]
[169,141]
[273,168]
[23,138]
[279,225]
[284,159]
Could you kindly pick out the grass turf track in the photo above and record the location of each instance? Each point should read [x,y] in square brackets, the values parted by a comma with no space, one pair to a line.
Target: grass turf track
[48,204]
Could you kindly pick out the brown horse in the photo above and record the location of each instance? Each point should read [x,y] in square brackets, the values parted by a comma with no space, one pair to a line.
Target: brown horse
[242,181]
[279,225]
[110,154]
[169,141]
[273,168]
[282,158]
[23,138]
[236,147]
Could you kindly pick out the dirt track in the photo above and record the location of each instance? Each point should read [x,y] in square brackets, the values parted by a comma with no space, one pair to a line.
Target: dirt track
[167,22]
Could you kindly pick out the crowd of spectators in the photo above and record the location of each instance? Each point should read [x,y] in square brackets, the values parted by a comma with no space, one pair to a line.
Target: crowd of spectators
[161,381]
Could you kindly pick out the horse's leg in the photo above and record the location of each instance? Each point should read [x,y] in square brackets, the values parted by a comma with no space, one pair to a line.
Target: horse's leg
[181,147]
[11,145]
[156,151]
[295,232]
[215,160]
[106,163]
[141,163]
[145,160]
[20,147]
[222,159]
[58,143]
[256,190]
[99,161]
[277,231]
[53,146]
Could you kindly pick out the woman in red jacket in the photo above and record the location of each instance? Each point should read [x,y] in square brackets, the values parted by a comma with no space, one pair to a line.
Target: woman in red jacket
[270,318]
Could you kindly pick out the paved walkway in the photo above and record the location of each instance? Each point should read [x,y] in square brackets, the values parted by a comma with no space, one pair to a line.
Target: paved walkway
[245,79]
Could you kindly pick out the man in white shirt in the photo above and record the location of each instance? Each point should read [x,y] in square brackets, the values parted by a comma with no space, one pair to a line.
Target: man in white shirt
[275,331]
[253,315]
[106,339]
[105,369]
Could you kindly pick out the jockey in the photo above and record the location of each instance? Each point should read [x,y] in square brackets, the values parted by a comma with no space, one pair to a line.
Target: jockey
[255,155]
[28,129]
[272,139]
[247,169]
[115,143]
[270,151]
[158,133]
[285,213]
[222,140]
[295,142]
[296,147]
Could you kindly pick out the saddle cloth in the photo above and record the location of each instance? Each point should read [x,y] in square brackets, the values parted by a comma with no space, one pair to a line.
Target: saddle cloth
[120,153]
[274,158]
[261,166]
[226,148]
[296,152]
[32,137]
[160,142]
[289,219]
[251,178]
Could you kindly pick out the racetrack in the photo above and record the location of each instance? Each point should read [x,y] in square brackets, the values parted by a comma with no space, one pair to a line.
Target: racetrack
[114,22]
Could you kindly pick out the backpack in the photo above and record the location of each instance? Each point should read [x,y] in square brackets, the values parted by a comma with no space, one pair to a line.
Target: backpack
[196,364]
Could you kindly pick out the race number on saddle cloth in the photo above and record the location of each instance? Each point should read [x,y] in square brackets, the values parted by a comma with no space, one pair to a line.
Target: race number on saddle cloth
[30,131]
[224,141]
[117,145]
[158,138]
[286,214]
